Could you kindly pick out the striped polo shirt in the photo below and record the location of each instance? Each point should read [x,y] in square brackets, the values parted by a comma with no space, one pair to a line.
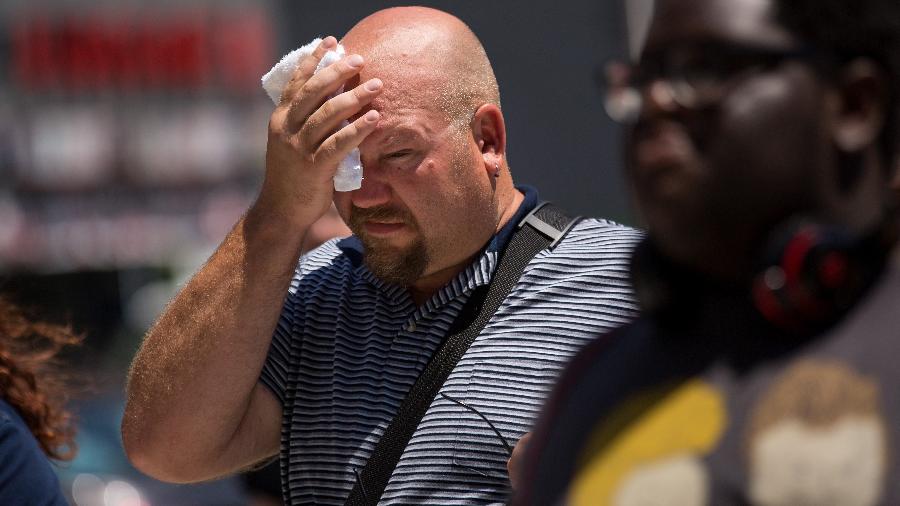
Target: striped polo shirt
[348,348]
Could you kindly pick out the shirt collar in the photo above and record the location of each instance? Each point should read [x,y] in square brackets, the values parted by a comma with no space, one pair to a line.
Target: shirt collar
[501,238]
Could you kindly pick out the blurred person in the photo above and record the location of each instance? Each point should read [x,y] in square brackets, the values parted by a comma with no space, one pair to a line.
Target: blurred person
[763,368]
[896,183]
[233,369]
[34,424]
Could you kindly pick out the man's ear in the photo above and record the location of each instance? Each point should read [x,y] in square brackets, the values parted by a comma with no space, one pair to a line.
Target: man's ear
[489,131]
[862,99]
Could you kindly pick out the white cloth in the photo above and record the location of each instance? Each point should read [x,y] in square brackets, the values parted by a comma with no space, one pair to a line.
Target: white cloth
[349,173]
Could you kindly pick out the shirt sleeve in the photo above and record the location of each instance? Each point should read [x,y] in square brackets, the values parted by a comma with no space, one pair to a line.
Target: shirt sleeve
[287,338]
[275,370]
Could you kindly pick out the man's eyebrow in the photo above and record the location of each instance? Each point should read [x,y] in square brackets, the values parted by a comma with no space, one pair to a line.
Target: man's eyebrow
[401,134]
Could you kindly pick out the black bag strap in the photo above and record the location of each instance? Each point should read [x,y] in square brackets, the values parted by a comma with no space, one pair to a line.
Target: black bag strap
[547,225]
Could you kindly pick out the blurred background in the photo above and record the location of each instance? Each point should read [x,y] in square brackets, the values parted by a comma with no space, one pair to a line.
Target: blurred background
[132,136]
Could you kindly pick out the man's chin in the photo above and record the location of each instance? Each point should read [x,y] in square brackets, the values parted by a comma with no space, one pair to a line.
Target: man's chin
[394,272]
[395,265]
[381,250]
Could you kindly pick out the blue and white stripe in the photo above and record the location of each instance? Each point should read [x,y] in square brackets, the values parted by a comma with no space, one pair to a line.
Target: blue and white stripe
[348,348]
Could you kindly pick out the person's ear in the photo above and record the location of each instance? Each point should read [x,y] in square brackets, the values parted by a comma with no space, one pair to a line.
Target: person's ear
[862,99]
[489,131]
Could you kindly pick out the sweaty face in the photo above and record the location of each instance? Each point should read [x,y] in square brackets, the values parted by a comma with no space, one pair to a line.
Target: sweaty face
[427,205]
[426,202]
[711,179]
[392,262]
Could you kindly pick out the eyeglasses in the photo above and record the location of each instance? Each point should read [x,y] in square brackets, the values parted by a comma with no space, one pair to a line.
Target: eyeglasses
[692,79]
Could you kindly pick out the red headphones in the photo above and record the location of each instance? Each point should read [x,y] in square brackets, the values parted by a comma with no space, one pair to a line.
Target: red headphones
[814,273]
[809,276]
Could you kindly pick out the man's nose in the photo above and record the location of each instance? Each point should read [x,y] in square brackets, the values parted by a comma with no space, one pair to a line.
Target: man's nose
[374,190]
[658,98]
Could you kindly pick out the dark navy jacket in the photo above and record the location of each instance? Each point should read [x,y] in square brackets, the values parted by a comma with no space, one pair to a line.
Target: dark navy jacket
[26,477]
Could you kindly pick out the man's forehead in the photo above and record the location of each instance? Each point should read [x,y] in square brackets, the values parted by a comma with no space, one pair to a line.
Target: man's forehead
[391,134]
[403,102]
[405,57]
[749,22]
[402,127]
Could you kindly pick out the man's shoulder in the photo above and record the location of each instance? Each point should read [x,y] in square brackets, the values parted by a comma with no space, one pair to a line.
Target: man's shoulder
[340,251]
[590,268]
[601,227]
[332,263]
[595,240]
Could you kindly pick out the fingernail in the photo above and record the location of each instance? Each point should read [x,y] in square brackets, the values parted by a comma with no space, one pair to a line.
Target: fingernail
[355,60]
[373,85]
[372,116]
[329,42]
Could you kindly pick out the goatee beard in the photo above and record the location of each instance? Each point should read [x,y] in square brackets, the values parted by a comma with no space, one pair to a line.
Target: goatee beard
[389,263]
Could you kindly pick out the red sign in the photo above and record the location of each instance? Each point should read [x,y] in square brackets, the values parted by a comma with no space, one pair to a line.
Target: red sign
[142,51]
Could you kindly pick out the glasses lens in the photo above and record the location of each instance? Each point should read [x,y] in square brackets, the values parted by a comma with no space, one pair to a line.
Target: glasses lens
[624,105]
[622,100]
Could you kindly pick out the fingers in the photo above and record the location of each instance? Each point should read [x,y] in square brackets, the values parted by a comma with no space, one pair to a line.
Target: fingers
[329,116]
[306,68]
[306,121]
[318,87]
[345,140]
[514,464]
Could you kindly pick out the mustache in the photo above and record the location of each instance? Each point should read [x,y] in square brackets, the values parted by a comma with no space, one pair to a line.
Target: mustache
[359,215]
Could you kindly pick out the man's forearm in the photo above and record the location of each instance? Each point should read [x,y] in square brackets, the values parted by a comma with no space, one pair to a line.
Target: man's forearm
[195,409]
[190,385]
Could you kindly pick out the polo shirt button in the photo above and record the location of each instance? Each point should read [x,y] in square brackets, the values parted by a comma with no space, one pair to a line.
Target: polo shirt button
[411,327]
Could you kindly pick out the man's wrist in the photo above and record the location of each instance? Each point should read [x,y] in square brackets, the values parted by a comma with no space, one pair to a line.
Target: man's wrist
[266,221]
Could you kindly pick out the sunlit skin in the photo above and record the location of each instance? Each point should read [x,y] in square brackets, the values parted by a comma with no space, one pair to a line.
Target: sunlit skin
[185,420]
[711,183]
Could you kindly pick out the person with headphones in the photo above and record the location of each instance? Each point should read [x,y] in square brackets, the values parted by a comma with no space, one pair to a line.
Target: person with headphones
[763,368]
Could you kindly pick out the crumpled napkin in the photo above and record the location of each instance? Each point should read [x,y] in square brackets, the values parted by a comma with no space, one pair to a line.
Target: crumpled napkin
[349,173]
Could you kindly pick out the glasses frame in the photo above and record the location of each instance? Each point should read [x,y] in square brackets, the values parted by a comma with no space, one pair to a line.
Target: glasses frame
[624,85]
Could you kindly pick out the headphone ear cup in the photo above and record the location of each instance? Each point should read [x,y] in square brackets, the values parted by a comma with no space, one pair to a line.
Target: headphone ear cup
[808,277]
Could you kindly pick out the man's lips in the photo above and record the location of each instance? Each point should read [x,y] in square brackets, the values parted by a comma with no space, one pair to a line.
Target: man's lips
[382,228]
[663,146]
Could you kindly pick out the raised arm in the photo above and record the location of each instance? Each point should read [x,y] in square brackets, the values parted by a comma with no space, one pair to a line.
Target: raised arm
[195,409]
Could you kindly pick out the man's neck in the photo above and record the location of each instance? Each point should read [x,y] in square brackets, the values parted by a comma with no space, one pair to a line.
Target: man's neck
[427,285]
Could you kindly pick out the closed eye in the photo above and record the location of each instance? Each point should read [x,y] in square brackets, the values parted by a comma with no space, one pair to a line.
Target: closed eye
[398,154]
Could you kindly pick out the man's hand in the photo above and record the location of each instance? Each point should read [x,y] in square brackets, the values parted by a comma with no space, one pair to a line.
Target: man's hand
[305,145]
[514,464]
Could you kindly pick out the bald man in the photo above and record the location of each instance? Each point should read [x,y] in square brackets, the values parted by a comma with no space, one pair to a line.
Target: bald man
[265,350]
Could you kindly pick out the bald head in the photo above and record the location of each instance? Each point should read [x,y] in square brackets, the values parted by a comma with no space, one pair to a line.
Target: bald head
[427,58]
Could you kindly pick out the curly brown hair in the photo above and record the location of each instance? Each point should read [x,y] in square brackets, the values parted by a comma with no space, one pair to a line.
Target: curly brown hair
[31,381]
